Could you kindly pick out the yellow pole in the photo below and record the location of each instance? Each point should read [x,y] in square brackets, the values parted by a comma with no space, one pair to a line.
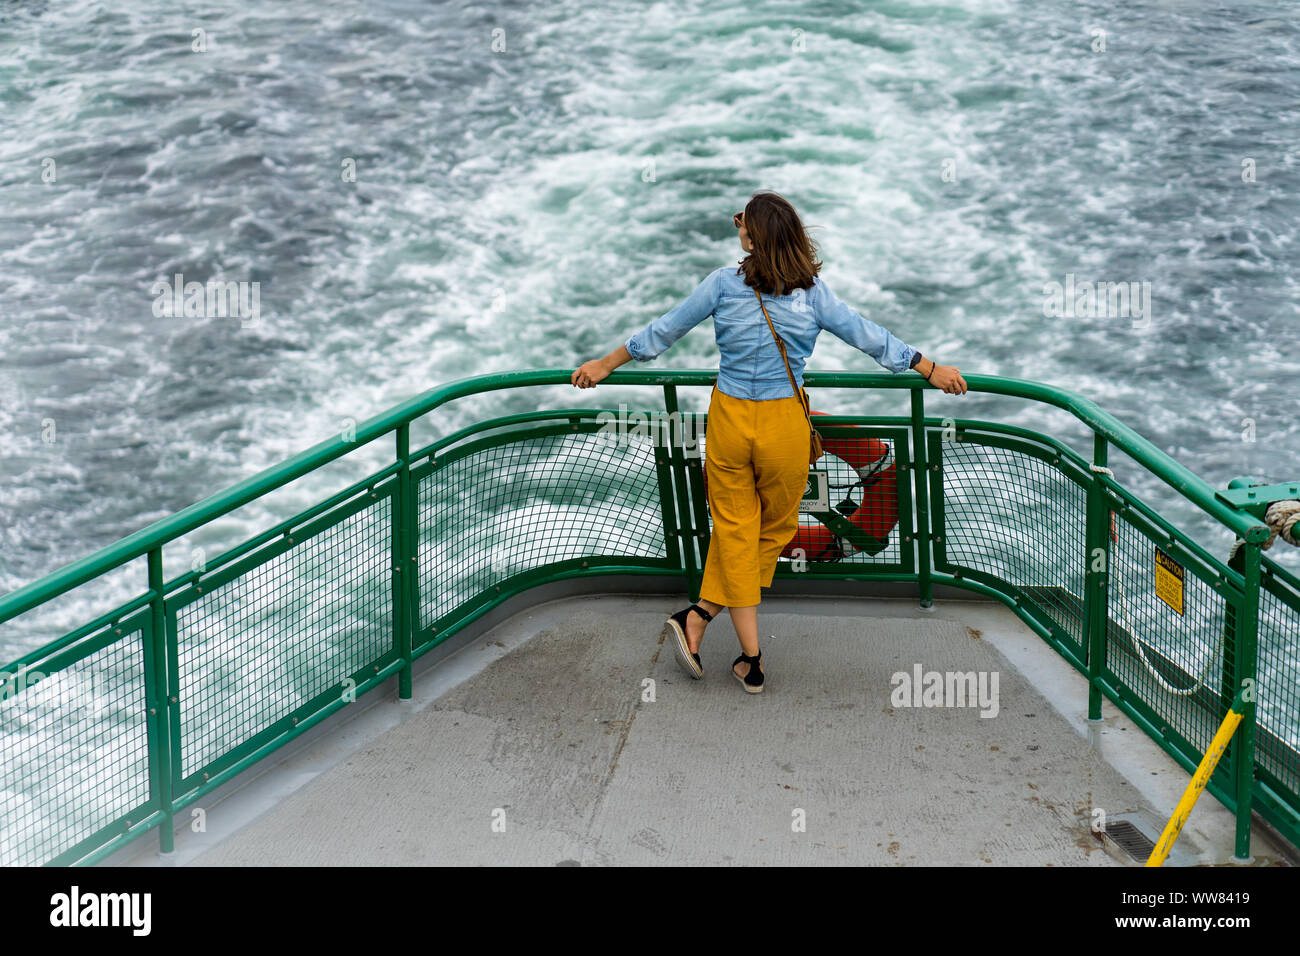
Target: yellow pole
[1197,784]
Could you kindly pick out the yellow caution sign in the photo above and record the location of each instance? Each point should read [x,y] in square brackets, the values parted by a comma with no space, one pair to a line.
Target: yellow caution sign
[1170,577]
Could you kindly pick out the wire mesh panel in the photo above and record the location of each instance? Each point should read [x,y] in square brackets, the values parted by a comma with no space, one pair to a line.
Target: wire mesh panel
[1277,708]
[1168,633]
[494,509]
[1006,516]
[73,748]
[281,630]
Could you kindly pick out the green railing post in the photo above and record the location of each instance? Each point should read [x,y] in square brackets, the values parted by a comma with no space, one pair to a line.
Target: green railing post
[693,467]
[673,542]
[921,495]
[405,610]
[686,521]
[1097,575]
[160,705]
[674,538]
[1244,664]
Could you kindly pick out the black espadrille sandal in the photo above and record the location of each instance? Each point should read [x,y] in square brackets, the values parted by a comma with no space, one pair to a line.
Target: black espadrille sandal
[753,679]
[677,624]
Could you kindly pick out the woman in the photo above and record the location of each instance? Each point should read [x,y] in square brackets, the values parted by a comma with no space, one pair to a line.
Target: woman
[756,457]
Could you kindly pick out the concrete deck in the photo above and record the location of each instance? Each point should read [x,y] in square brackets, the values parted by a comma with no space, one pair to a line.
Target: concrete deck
[545,722]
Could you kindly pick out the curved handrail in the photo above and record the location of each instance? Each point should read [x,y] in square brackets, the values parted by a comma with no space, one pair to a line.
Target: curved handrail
[1180,478]
[1163,466]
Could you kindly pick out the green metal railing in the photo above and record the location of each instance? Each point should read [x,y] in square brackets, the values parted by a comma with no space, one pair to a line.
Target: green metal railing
[115,728]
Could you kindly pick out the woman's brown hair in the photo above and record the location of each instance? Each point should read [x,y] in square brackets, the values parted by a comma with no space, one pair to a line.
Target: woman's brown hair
[784,256]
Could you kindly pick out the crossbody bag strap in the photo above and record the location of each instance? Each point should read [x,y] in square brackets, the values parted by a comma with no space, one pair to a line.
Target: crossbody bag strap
[785,358]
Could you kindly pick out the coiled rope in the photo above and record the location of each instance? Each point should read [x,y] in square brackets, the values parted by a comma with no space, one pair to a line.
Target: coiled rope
[1283,520]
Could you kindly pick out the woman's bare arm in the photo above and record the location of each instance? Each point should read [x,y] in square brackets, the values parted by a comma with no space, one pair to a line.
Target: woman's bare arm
[597,370]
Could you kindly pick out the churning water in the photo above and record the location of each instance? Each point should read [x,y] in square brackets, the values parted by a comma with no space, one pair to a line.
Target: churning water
[533,183]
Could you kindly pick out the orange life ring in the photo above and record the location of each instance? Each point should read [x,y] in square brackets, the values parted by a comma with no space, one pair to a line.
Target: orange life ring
[876,516]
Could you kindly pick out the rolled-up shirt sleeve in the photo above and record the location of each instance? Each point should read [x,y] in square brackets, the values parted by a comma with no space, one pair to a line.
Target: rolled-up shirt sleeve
[655,338]
[844,323]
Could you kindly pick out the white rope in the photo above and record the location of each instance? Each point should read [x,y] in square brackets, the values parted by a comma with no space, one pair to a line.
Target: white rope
[1122,617]
[1281,518]
[1102,470]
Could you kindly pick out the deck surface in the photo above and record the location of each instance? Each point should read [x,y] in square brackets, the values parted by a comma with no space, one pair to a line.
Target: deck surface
[549,734]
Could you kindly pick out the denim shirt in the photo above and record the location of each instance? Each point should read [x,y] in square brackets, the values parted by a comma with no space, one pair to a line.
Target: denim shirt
[750,365]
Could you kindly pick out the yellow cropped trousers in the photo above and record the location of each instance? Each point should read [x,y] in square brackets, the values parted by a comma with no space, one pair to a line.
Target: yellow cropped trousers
[756,460]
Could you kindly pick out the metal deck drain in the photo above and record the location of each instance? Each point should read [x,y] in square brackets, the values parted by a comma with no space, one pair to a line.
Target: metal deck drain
[1129,839]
